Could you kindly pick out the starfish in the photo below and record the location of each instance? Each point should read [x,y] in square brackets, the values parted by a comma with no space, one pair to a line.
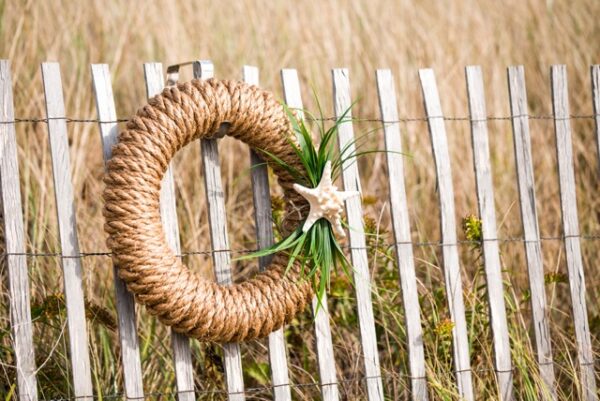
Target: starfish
[325,202]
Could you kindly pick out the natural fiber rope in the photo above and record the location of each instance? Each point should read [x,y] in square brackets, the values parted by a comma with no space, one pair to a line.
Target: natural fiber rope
[190,304]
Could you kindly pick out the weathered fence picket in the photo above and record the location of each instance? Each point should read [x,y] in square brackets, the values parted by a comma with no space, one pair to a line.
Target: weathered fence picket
[67,224]
[452,277]
[358,248]
[264,235]
[595,73]
[487,213]
[568,205]
[14,242]
[531,231]
[180,344]
[130,353]
[215,200]
[401,229]
[326,358]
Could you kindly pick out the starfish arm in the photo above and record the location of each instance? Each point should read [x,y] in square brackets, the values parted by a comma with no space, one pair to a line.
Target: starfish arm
[310,221]
[348,194]
[337,228]
[308,193]
[326,176]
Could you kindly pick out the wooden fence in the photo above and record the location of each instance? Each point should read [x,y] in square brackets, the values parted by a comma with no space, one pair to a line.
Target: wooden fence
[16,256]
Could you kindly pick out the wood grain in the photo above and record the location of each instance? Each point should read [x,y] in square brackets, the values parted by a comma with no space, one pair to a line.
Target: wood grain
[264,234]
[218,234]
[325,356]
[452,276]
[401,228]
[487,214]
[14,238]
[595,73]
[130,354]
[531,231]
[67,224]
[360,263]
[180,344]
[568,206]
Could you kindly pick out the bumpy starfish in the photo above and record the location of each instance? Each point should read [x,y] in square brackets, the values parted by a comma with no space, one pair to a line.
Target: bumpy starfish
[325,202]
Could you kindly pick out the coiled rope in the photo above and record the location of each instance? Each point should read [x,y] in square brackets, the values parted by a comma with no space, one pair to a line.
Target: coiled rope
[180,298]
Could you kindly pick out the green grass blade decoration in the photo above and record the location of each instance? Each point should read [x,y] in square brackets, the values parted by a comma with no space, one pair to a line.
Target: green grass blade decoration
[317,249]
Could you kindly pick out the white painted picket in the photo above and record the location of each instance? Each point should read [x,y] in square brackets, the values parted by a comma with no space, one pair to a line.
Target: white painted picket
[16,256]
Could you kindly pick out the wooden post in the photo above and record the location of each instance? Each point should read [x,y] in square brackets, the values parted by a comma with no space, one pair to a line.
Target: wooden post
[326,358]
[14,237]
[362,280]
[531,231]
[130,354]
[595,73]
[67,224]
[487,213]
[402,236]
[264,233]
[452,277]
[568,207]
[218,235]
[180,344]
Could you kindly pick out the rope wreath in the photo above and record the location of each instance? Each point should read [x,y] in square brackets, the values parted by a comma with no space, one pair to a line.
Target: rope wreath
[180,298]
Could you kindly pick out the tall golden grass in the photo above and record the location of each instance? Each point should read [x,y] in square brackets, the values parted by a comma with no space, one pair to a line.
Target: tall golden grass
[312,36]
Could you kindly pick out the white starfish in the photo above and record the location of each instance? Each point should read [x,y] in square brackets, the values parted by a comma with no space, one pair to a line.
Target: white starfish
[325,202]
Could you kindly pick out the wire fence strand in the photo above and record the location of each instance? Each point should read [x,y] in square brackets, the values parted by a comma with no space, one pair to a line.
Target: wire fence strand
[269,388]
[72,120]
[585,237]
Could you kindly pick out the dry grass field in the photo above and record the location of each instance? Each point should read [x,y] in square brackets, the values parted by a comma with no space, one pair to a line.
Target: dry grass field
[313,36]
